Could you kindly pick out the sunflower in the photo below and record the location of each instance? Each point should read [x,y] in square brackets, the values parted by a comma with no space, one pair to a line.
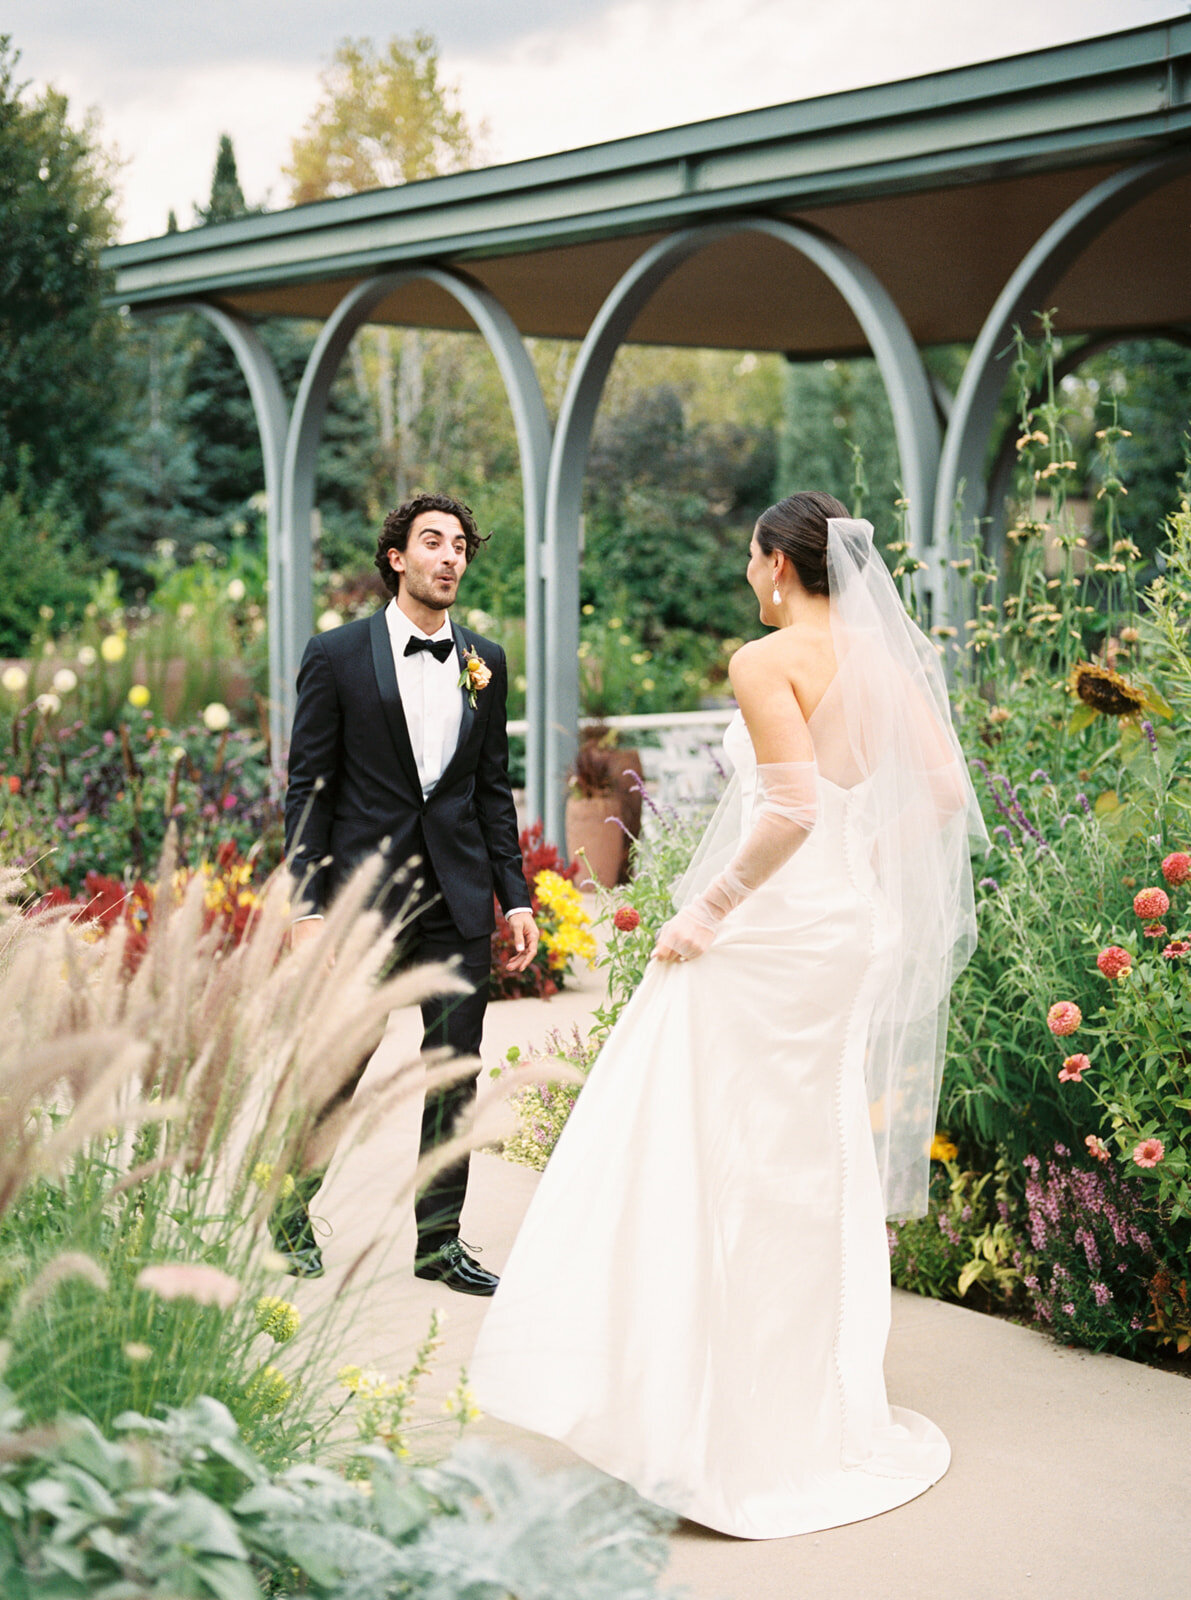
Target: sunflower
[1104,690]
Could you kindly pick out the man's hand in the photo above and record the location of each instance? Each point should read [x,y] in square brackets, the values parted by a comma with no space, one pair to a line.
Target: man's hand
[525,941]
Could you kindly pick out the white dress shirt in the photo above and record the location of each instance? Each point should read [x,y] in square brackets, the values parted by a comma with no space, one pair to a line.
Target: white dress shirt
[430,695]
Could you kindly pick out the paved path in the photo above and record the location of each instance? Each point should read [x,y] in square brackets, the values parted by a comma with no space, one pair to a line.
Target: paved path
[1071,1473]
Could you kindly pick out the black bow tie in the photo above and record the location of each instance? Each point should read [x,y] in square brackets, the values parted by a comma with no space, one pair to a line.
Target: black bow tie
[440,649]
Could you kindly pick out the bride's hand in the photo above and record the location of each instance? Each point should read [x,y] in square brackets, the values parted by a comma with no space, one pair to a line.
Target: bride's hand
[683,938]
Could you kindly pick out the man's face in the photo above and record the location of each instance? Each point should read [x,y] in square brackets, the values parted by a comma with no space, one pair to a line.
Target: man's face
[433,560]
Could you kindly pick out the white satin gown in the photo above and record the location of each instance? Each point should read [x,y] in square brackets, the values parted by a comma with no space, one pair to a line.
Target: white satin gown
[698,1301]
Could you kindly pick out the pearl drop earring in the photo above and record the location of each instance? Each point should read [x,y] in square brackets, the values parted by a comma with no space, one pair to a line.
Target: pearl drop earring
[777,594]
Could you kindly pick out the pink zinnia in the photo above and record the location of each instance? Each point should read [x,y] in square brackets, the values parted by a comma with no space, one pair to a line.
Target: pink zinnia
[1063,1017]
[1176,868]
[626,918]
[1112,961]
[1155,930]
[1151,903]
[1149,1152]
[1096,1147]
[1073,1069]
[1176,948]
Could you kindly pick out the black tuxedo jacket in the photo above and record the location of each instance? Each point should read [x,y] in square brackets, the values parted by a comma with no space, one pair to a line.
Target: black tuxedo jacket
[350,731]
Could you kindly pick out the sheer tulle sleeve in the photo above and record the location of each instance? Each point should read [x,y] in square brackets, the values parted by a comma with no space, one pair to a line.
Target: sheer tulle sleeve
[783,815]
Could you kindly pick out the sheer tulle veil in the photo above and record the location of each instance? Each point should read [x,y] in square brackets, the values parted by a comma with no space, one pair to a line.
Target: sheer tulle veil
[912,821]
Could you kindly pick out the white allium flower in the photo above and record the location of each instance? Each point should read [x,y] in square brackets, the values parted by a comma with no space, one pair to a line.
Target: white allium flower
[217,716]
[236,590]
[48,704]
[88,656]
[328,620]
[14,679]
[65,680]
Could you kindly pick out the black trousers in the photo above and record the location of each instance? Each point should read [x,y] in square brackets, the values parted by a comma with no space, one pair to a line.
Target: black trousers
[454,1022]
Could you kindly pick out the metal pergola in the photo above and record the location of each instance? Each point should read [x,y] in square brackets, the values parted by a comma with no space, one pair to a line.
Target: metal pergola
[938,209]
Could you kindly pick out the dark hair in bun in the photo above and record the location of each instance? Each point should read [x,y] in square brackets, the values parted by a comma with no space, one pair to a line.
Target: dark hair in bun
[797,526]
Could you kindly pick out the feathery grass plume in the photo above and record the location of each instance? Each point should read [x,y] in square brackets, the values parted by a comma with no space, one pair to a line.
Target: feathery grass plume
[70,1264]
[150,1098]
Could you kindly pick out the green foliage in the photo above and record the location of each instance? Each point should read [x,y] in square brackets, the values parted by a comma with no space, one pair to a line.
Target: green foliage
[56,341]
[831,412]
[42,577]
[543,1108]
[385,117]
[967,1240]
[92,801]
[181,1507]
[672,505]
[659,857]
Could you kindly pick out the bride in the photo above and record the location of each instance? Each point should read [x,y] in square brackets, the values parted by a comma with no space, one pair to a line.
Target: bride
[698,1301]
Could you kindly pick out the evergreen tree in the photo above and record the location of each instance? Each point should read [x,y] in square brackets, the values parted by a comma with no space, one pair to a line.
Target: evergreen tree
[56,340]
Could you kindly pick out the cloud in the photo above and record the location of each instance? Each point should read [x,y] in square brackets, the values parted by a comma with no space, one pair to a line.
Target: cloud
[545,75]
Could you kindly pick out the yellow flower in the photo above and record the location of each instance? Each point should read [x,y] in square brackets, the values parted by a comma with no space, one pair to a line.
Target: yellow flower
[113,647]
[278,1318]
[269,1390]
[262,1176]
[942,1149]
[139,696]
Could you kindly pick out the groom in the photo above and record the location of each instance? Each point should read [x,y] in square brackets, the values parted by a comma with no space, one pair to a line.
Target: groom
[399,744]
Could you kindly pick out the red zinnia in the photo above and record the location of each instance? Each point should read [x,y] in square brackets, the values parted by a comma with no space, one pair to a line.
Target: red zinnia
[1064,1017]
[1112,961]
[1176,869]
[626,918]
[1073,1069]
[1151,903]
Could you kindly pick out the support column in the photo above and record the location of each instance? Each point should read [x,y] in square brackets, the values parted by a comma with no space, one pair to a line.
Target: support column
[301,452]
[961,494]
[910,399]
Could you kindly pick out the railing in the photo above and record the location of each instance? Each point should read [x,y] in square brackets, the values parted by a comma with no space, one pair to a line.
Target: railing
[685,769]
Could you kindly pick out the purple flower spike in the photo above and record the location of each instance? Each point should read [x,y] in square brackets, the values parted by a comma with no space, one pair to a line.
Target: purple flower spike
[1148,729]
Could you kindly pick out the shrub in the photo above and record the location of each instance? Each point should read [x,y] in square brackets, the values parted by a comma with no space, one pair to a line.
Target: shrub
[182,1505]
[40,579]
[543,1108]
[563,925]
[1093,1235]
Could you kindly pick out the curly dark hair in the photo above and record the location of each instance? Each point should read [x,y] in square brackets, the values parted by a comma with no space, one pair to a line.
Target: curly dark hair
[394,534]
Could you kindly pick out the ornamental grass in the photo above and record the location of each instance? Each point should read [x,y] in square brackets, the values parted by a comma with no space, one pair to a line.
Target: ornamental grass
[152,1117]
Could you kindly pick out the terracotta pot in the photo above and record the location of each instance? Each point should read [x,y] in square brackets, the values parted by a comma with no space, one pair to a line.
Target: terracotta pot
[591,830]
[626,764]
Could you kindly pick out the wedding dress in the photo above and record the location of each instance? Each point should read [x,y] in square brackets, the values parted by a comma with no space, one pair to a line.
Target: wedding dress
[699,1299]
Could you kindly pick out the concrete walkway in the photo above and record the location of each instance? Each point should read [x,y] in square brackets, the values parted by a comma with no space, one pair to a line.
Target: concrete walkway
[1071,1472]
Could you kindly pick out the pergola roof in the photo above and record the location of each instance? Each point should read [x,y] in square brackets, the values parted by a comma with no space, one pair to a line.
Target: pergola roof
[940,183]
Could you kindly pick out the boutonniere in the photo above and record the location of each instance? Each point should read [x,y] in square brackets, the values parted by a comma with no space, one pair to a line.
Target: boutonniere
[474,677]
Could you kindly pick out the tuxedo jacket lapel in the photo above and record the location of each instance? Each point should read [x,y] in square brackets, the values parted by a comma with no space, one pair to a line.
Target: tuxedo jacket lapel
[390,697]
[468,716]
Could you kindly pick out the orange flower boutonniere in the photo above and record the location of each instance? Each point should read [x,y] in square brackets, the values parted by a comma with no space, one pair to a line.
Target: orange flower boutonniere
[474,677]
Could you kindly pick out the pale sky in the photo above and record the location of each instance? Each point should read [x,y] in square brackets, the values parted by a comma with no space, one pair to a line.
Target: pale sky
[168,78]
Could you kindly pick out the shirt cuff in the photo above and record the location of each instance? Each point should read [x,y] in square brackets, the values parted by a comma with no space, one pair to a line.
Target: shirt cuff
[310,916]
[515,909]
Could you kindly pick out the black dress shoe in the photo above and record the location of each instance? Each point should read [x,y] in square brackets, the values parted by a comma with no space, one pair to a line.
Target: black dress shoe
[304,1263]
[453,1266]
